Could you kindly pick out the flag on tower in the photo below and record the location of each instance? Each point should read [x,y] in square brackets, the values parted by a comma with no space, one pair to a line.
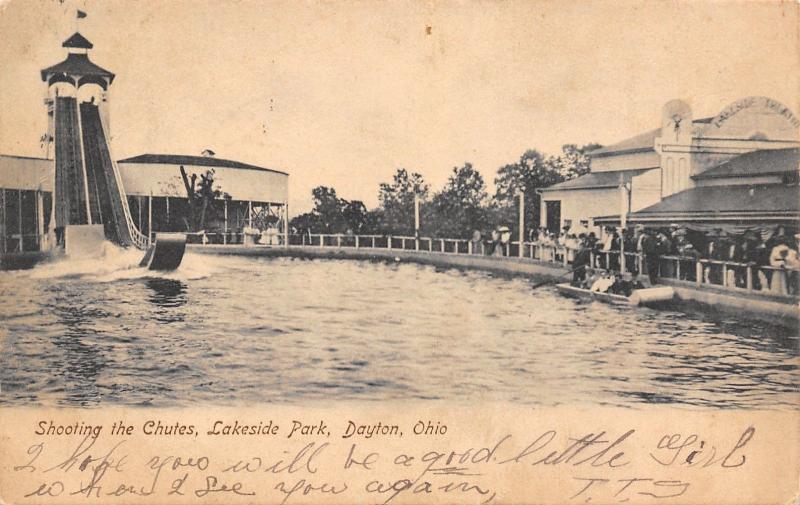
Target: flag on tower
[80,14]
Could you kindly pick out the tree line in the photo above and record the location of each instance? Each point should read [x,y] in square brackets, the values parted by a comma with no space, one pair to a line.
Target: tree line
[462,205]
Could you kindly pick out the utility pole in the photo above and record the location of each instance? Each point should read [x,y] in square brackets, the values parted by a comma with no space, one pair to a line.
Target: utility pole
[521,221]
[416,219]
[624,207]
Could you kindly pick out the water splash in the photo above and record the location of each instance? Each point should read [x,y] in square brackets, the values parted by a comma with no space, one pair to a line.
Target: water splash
[114,263]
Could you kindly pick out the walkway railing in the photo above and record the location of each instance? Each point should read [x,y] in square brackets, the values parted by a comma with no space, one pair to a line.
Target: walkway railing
[140,240]
[741,277]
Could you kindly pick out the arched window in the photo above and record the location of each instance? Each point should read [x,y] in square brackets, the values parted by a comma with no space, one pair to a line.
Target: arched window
[669,177]
[90,93]
[61,88]
[683,175]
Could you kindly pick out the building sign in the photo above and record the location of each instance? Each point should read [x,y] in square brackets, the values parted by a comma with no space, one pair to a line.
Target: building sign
[756,101]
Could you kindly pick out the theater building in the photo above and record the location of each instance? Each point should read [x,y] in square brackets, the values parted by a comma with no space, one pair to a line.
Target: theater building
[735,170]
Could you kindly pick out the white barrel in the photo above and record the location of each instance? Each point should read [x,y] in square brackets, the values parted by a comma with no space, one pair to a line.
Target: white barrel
[651,295]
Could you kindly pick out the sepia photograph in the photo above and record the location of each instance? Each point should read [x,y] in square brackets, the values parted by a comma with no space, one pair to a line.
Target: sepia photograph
[408,251]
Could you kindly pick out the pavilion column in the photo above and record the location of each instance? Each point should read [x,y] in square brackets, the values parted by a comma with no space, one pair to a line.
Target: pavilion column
[3,228]
[286,224]
[19,219]
[542,212]
[39,218]
[150,218]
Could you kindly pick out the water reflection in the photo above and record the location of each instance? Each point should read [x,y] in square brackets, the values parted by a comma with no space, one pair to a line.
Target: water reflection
[167,292]
[167,295]
[81,359]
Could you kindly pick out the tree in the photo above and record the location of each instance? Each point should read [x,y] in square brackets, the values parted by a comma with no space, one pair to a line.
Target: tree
[574,161]
[397,201]
[306,222]
[201,194]
[459,208]
[533,171]
[332,214]
[329,210]
[355,213]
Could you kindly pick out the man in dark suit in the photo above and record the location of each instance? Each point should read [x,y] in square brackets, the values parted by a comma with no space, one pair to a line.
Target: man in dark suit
[719,249]
[647,246]
[581,261]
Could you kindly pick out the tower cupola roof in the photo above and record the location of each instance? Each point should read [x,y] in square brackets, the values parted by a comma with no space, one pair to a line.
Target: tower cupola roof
[77,65]
[77,68]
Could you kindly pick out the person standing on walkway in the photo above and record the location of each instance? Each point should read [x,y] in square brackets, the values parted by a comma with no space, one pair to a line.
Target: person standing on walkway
[647,248]
[580,262]
[477,242]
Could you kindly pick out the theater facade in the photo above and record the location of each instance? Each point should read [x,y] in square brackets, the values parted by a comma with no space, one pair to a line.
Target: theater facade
[736,170]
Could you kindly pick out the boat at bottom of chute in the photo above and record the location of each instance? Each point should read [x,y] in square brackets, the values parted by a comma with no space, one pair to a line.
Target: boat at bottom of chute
[165,253]
[645,296]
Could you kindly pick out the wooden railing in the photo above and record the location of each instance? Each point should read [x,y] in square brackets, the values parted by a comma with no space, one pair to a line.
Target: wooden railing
[140,240]
[741,277]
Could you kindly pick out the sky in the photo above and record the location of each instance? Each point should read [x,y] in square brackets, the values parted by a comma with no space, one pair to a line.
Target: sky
[343,93]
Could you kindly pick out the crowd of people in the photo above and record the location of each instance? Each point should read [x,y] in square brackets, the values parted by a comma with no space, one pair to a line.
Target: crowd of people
[673,251]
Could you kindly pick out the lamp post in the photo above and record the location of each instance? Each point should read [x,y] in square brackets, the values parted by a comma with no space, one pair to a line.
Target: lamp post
[416,219]
[624,208]
[521,221]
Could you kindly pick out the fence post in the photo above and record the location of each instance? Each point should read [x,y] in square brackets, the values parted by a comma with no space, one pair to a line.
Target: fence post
[698,272]
[373,241]
[442,245]
[749,278]
[389,242]
[356,241]
[338,241]
[725,275]
[469,247]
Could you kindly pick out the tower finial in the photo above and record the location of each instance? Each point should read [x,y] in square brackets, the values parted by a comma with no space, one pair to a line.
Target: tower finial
[77,41]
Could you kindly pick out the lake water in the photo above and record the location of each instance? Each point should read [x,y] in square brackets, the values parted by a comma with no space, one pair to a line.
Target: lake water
[228,330]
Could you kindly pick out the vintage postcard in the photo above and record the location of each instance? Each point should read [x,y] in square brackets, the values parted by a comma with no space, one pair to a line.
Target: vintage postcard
[407,252]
